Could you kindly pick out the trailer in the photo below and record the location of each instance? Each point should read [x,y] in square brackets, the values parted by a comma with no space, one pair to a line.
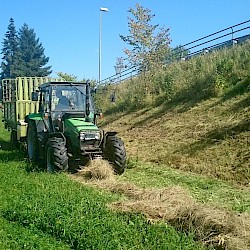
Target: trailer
[17,103]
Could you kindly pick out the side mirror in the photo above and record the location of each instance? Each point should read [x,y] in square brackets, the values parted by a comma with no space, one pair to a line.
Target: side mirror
[93,90]
[98,111]
[34,96]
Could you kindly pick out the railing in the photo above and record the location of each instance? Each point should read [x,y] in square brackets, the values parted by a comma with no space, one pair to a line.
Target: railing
[206,44]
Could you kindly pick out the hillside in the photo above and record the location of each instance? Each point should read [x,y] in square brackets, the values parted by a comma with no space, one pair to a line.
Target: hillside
[211,138]
[187,126]
[190,115]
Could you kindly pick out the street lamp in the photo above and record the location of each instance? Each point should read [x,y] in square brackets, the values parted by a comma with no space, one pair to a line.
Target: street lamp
[100,42]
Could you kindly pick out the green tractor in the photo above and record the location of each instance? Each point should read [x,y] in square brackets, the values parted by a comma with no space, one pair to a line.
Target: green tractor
[65,127]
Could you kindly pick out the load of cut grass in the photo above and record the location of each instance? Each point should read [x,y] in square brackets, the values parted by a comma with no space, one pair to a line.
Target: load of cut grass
[215,227]
[155,203]
[97,169]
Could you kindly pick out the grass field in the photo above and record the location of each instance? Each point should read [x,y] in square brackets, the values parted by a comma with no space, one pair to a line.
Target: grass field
[43,211]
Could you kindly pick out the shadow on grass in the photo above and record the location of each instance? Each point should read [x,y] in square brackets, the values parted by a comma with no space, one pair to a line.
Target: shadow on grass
[34,167]
[216,136]
[122,109]
[182,102]
[9,152]
[238,89]
[241,105]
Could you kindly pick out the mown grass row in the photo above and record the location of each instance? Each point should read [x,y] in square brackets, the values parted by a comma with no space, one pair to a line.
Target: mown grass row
[203,189]
[43,211]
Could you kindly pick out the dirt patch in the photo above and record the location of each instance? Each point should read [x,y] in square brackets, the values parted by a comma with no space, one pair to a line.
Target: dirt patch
[217,227]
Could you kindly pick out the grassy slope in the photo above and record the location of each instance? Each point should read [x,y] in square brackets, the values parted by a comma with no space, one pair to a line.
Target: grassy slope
[207,142]
[199,144]
[42,211]
[190,115]
[211,137]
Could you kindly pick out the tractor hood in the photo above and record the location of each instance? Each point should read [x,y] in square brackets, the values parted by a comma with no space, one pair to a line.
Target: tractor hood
[79,124]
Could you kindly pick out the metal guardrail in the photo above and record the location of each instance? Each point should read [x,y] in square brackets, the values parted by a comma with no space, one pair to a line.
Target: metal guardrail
[199,46]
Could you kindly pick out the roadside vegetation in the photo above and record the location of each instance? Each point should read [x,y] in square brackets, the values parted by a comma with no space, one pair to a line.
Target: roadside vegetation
[191,115]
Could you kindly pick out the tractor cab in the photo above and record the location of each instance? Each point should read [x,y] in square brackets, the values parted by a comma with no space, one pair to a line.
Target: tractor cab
[60,98]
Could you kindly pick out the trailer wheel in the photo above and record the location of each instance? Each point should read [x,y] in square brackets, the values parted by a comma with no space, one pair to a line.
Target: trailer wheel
[13,137]
[114,151]
[56,155]
[32,142]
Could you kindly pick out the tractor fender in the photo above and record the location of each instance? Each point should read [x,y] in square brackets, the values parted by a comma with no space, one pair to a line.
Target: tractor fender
[39,123]
[41,128]
[57,135]
[110,133]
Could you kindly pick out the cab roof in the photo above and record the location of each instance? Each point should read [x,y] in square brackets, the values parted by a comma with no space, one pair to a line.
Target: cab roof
[46,84]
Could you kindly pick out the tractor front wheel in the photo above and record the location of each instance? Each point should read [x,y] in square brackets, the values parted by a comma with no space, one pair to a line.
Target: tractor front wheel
[56,155]
[114,151]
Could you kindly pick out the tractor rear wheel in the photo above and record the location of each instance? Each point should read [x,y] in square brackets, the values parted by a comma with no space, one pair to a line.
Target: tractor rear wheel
[13,137]
[32,142]
[56,155]
[114,151]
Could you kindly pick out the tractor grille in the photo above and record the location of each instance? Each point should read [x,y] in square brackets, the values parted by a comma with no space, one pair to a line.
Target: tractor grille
[90,136]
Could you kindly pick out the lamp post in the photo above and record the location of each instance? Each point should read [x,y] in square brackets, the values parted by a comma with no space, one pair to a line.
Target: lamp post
[100,43]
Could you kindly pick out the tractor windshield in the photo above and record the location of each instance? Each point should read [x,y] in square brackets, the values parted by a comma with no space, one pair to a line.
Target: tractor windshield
[69,98]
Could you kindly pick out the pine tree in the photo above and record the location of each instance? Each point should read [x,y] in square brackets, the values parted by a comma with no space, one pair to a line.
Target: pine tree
[9,52]
[31,54]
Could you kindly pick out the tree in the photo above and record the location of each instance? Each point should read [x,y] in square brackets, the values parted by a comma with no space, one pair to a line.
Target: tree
[9,52]
[32,59]
[67,77]
[149,47]
[72,78]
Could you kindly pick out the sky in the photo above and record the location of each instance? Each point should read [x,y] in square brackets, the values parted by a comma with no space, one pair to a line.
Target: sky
[69,29]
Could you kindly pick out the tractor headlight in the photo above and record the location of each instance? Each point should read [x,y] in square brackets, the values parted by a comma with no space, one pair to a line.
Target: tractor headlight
[82,136]
[90,135]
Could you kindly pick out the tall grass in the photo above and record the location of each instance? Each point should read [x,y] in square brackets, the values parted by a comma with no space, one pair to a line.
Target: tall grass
[199,78]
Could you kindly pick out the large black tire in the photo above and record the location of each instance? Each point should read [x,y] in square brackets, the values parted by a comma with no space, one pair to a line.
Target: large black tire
[115,152]
[13,137]
[32,142]
[56,155]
